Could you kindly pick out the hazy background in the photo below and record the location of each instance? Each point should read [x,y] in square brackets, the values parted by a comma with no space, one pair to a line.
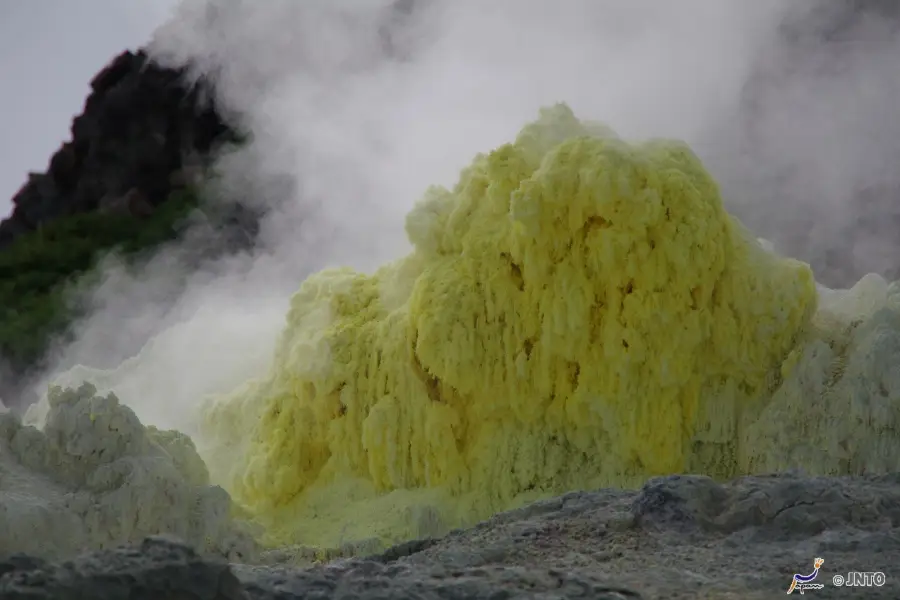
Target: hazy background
[357,106]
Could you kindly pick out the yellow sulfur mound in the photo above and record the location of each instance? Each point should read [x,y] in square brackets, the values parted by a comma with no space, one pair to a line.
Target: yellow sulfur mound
[577,312]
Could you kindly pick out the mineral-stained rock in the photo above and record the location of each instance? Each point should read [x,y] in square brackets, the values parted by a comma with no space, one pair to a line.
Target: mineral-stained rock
[94,477]
[677,537]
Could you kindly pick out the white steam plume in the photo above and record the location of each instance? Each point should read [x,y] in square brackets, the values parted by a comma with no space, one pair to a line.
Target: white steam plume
[360,106]
[812,159]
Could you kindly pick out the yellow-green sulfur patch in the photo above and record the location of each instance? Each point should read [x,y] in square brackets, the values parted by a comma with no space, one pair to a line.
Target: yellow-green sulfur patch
[578,311]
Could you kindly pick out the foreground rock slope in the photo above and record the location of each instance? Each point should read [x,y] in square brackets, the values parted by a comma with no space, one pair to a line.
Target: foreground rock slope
[677,537]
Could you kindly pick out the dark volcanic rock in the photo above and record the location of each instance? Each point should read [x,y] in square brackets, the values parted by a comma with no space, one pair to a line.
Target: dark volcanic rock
[142,153]
[142,128]
[677,537]
[157,569]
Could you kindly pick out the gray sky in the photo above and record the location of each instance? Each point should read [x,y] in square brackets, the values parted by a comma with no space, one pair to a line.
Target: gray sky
[49,51]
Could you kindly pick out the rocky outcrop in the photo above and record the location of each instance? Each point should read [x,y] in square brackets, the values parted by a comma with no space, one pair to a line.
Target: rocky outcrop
[145,132]
[156,569]
[132,179]
[678,537]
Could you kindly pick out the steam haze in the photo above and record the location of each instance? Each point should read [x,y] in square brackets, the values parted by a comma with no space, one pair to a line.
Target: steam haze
[810,159]
[356,108]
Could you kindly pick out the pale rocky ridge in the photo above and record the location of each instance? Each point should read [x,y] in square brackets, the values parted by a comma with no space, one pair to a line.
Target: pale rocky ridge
[94,477]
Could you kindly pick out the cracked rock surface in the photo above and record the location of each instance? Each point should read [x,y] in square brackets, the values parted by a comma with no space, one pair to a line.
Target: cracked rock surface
[677,537]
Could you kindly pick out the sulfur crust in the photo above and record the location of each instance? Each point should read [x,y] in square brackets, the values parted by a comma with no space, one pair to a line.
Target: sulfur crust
[838,411]
[577,312]
[94,477]
[485,370]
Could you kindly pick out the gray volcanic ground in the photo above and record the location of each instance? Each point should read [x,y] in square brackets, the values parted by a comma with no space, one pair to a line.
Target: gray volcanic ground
[678,537]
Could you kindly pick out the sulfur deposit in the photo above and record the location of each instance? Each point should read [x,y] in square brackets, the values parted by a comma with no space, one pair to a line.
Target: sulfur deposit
[577,312]
[94,477]
[838,410]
